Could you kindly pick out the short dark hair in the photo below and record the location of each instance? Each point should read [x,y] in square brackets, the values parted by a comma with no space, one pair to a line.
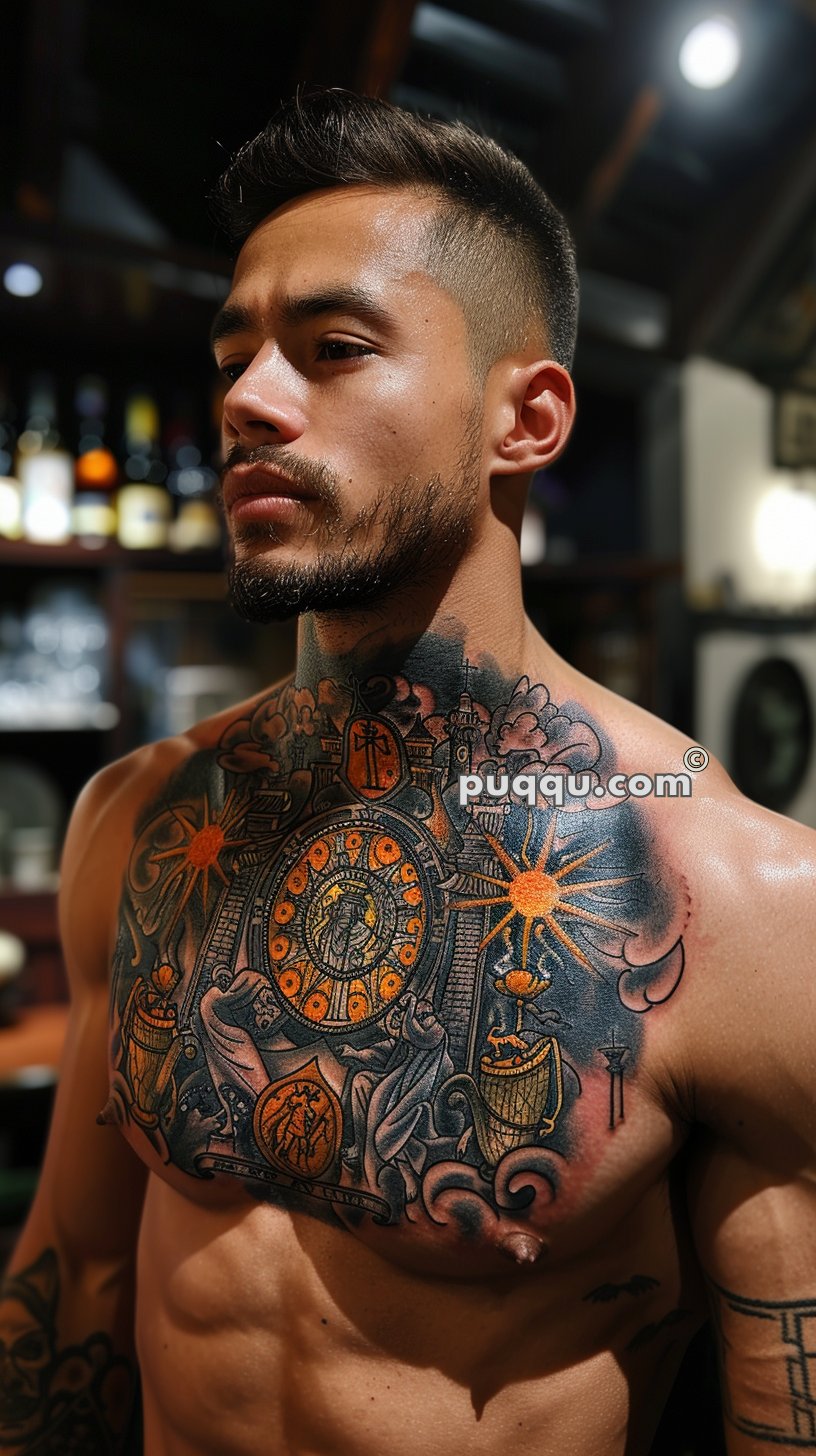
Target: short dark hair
[496,242]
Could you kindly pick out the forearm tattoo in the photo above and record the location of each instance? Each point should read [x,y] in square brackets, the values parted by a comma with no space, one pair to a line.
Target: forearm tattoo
[361,998]
[767,1355]
[56,1398]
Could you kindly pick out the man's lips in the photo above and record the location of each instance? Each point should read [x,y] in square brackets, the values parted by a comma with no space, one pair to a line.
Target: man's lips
[260,483]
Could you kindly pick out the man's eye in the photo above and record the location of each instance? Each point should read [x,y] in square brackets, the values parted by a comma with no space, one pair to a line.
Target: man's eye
[232,371]
[334,350]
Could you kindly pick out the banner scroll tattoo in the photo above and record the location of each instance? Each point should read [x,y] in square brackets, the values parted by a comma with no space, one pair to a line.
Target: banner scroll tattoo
[209,1163]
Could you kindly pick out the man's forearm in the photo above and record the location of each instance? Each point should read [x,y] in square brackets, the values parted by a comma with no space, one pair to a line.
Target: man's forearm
[766,1353]
[58,1396]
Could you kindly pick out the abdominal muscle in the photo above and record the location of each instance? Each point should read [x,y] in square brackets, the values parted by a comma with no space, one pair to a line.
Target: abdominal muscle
[262,1332]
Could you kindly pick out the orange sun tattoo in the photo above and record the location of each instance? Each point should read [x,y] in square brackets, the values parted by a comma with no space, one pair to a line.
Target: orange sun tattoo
[200,851]
[534,892]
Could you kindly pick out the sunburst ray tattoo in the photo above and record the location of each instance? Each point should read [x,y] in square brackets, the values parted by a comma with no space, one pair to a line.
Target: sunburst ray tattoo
[200,851]
[535,892]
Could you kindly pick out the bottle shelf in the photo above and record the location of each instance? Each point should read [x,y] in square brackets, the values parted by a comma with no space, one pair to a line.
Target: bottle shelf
[72,554]
[64,718]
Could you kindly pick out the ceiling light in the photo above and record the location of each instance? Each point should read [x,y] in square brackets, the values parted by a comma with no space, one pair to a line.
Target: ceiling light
[711,53]
[23,280]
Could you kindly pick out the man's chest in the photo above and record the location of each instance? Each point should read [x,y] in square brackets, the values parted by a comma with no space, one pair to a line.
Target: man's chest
[389,1012]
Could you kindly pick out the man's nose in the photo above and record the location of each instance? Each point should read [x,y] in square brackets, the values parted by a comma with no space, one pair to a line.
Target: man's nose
[265,404]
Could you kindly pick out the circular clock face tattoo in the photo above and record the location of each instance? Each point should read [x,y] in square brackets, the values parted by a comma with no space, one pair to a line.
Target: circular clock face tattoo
[346,922]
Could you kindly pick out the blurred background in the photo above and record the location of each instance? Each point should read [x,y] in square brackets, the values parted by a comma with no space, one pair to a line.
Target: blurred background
[671,553]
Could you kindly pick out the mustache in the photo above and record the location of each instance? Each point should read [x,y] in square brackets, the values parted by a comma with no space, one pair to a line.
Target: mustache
[314,476]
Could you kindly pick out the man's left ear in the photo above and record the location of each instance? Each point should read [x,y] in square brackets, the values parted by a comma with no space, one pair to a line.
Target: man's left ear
[541,400]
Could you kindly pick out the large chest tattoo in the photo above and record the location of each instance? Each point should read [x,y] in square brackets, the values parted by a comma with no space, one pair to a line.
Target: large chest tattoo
[361,997]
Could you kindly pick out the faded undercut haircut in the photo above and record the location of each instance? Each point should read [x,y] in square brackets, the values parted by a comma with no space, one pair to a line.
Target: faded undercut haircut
[495,242]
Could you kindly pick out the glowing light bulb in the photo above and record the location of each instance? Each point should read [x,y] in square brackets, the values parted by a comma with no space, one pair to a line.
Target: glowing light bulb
[711,53]
[23,280]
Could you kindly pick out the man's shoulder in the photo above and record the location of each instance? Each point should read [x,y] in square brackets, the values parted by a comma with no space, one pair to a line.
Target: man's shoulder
[114,803]
[743,878]
[129,784]
[755,871]
[748,877]
[96,850]
[105,808]
[747,865]
[733,827]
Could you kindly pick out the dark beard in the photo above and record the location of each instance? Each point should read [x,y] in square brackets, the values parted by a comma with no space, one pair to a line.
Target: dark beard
[422,532]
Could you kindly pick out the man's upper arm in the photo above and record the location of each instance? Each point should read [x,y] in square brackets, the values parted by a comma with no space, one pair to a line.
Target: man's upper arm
[753,1185]
[91,1185]
[68,1294]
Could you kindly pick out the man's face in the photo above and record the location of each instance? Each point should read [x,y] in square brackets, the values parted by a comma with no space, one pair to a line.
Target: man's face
[348,913]
[352,430]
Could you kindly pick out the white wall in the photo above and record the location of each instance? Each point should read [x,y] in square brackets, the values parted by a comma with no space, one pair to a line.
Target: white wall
[726,434]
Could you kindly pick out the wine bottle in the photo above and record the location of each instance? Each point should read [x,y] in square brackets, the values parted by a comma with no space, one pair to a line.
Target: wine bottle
[96,472]
[190,481]
[45,469]
[145,508]
[11,495]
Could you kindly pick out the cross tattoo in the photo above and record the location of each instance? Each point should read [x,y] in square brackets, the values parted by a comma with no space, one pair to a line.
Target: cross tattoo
[467,669]
[373,741]
[615,1056]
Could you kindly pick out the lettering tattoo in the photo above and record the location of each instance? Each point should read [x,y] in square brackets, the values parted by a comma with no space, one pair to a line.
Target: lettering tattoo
[778,1339]
[56,1399]
[338,985]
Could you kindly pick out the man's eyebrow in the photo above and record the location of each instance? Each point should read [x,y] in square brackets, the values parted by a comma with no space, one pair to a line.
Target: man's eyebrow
[231,319]
[296,309]
[335,299]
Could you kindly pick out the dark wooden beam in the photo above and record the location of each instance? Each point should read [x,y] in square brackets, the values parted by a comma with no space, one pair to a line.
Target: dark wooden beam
[608,174]
[50,64]
[389,37]
[740,246]
[361,44]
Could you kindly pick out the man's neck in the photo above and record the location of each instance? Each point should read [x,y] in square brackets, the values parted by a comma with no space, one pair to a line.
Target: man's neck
[478,615]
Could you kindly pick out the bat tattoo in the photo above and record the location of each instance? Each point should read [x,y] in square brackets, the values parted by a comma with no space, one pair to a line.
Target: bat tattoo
[638,1284]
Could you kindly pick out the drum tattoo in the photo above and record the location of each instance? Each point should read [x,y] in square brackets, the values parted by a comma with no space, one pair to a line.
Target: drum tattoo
[359,996]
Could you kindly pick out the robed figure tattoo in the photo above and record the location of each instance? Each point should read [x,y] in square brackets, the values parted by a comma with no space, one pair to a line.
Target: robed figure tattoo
[360,998]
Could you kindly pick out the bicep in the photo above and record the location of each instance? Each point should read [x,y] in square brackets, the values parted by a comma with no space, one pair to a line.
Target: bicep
[91,1184]
[88,1200]
[754,1225]
[748,1062]
[67,1302]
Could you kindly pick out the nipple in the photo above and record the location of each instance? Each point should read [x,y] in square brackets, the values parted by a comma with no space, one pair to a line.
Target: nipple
[524,1248]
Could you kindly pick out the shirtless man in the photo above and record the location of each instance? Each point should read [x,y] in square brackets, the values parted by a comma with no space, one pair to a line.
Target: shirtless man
[560,1102]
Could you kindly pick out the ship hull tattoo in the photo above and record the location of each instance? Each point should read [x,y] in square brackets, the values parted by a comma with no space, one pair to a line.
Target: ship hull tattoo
[338,985]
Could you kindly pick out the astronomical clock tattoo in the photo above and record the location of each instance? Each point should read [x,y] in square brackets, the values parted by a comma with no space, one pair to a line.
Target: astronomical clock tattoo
[357,995]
